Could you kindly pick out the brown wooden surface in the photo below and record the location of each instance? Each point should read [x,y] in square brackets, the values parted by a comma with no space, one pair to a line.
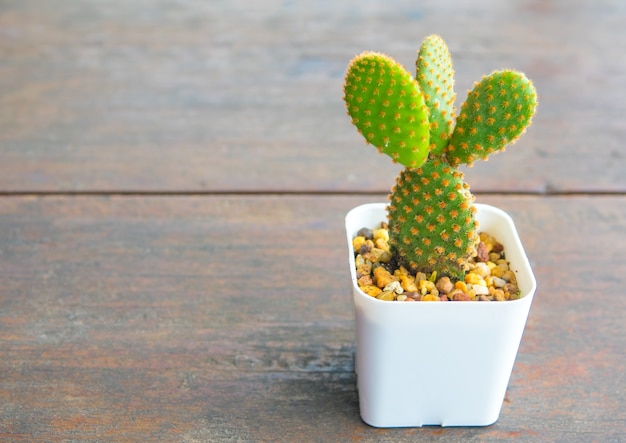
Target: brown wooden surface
[146,295]
[157,95]
[229,319]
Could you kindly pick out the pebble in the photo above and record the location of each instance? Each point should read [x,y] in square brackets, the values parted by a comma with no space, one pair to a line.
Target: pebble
[461,296]
[482,269]
[386,295]
[498,282]
[365,232]
[480,290]
[508,276]
[488,279]
[394,286]
[445,285]
[382,277]
[482,254]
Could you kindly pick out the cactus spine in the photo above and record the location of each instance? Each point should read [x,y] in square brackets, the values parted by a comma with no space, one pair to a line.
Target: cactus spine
[435,76]
[388,108]
[496,112]
[431,219]
[431,212]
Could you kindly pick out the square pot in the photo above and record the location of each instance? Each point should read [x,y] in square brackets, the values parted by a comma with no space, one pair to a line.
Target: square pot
[438,363]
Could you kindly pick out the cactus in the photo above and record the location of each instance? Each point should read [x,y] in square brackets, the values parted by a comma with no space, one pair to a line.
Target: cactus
[436,78]
[431,219]
[388,108]
[496,112]
[412,120]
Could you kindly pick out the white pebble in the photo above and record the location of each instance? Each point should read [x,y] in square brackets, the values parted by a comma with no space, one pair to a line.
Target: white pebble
[498,282]
[480,290]
[394,286]
[483,269]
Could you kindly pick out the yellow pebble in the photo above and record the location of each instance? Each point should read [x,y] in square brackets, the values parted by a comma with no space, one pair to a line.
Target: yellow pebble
[408,283]
[430,297]
[382,234]
[488,240]
[471,293]
[387,296]
[357,242]
[461,286]
[498,295]
[484,237]
[474,279]
[381,243]
[377,255]
[481,269]
[496,272]
[426,286]
[401,271]
[503,266]
[372,291]
[382,277]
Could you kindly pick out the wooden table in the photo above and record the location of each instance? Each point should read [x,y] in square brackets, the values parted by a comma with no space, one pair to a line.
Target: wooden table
[173,181]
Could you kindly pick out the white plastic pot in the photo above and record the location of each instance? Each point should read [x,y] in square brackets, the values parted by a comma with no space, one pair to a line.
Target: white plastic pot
[438,363]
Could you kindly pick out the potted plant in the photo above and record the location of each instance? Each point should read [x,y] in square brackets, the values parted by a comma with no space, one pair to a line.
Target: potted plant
[448,362]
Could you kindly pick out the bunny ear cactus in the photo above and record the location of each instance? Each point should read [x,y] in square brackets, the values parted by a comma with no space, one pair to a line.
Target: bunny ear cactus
[435,76]
[496,112]
[431,219]
[431,212]
[387,106]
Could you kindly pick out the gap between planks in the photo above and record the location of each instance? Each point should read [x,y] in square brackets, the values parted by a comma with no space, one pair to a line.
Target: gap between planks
[270,192]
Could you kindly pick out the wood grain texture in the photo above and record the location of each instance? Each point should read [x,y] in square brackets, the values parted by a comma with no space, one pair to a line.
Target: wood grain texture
[229,318]
[163,95]
[225,317]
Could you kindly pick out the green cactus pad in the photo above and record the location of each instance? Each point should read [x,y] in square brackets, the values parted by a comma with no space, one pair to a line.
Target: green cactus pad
[497,110]
[387,107]
[431,220]
[431,214]
[435,76]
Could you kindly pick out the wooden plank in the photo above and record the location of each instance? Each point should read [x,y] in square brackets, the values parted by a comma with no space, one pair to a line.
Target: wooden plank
[229,319]
[164,96]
